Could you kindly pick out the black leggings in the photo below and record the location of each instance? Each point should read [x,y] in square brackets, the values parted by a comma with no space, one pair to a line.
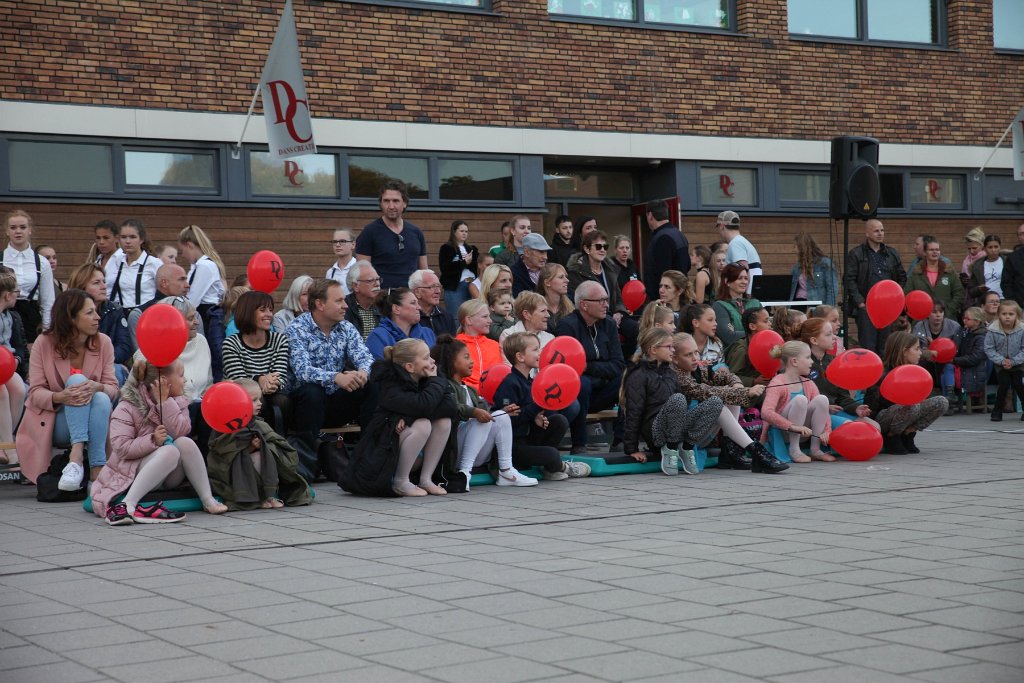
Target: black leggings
[1006,379]
[540,446]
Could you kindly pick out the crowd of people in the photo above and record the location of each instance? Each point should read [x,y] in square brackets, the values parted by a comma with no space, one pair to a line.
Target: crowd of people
[383,341]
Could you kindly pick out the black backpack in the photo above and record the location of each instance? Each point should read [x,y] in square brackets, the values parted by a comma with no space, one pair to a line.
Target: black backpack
[371,467]
[46,483]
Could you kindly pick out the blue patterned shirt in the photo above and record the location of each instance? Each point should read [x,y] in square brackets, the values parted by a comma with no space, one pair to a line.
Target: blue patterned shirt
[315,359]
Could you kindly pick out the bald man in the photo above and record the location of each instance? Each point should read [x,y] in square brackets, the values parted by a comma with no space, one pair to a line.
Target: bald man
[867,265]
[170,281]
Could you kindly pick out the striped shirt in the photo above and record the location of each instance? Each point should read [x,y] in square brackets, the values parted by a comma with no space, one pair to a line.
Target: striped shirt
[243,361]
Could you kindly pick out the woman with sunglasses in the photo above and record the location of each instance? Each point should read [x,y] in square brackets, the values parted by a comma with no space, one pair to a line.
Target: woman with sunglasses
[592,267]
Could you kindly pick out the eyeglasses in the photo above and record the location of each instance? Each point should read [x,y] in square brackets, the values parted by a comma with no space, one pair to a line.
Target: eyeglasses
[599,247]
[371,281]
[337,242]
[434,287]
[665,346]
[598,301]
[401,243]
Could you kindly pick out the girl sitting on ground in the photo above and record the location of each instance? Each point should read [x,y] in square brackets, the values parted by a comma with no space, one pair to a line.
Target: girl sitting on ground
[700,321]
[900,424]
[150,449]
[700,383]
[480,431]
[255,467]
[831,315]
[793,404]
[475,321]
[787,322]
[736,354]
[817,334]
[657,315]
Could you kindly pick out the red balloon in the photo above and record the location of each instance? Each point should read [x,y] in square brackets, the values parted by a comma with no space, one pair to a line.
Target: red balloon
[634,294]
[555,387]
[8,365]
[919,304]
[856,441]
[760,344]
[907,385]
[854,369]
[943,348]
[265,271]
[885,303]
[567,350]
[227,407]
[161,334]
[491,379]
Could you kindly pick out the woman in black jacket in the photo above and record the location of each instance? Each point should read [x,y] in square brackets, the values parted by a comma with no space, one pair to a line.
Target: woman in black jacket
[458,263]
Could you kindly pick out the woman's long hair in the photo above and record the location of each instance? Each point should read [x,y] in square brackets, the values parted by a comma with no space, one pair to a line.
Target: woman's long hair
[193,234]
[808,253]
[66,308]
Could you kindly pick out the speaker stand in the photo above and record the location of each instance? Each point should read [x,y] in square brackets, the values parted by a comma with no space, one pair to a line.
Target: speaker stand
[845,332]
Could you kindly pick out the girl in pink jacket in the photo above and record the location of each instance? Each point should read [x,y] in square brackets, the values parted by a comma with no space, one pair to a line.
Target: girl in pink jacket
[150,449]
[793,404]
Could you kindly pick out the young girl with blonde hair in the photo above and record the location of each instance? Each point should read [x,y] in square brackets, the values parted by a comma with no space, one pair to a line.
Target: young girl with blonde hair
[206,289]
[793,404]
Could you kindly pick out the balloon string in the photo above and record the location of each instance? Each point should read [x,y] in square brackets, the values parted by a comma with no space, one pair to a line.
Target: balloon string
[159,393]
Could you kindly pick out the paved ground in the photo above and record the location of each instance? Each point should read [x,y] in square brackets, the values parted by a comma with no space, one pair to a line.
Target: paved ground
[902,569]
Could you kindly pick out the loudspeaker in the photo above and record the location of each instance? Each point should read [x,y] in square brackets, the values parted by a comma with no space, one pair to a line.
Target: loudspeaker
[854,189]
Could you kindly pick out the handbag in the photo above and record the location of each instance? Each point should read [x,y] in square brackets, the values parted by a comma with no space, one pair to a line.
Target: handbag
[751,422]
[46,483]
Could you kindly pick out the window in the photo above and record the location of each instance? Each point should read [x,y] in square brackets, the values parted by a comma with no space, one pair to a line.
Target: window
[700,13]
[1008,24]
[939,191]
[313,175]
[170,170]
[367,174]
[476,180]
[903,21]
[798,186]
[60,167]
[891,190]
[586,183]
[728,186]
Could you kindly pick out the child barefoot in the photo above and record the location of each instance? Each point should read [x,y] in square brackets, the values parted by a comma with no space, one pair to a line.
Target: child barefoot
[150,449]
[793,404]
[255,467]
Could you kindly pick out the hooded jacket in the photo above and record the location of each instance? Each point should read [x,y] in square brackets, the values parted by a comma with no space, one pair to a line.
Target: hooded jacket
[1000,345]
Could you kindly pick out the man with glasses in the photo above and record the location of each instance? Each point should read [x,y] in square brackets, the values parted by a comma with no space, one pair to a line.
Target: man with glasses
[343,244]
[364,284]
[667,249]
[395,246]
[599,385]
[526,271]
[1012,282]
[427,288]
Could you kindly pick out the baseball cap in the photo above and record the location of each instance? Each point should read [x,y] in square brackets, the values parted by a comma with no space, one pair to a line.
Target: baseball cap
[535,241]
[729,218]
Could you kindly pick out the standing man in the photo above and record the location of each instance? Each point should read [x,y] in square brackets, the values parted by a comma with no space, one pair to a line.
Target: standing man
[426,287]
[395,246]
[520,228]
[1012,282]
[666,250]
[741,251]
[343,244]
[330,362]
[526,271]
[866,265]
[363,312]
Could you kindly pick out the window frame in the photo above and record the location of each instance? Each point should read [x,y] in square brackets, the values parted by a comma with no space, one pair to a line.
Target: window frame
[759,171]
[996,48]
[135,189]
[486,6]
[941,10]
[641,23]
[937,207]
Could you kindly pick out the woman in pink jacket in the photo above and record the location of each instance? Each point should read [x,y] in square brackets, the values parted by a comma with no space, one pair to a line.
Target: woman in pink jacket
[71,386]
[793,404]
[150,449]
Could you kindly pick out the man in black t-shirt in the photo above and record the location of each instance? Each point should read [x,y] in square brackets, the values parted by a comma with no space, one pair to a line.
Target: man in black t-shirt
[395,246]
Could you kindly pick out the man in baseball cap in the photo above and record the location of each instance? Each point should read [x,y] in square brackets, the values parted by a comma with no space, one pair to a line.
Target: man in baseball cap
[741,251]
[526,271]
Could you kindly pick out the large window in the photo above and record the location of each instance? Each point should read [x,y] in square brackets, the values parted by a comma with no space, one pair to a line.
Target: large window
[901,21]
[803,187]
[1008,24]
[367,174]
[475,180]
[721,186]
[697,13]
[936,191]
[313,175]
[570,183]
[60,167]
[157,170]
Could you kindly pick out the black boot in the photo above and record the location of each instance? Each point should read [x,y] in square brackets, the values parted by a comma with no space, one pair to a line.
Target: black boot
[762,460]
[732,456]
[893,444]
[997,416]
[908,443]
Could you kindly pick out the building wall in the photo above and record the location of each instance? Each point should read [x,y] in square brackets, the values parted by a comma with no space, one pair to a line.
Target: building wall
[518,68]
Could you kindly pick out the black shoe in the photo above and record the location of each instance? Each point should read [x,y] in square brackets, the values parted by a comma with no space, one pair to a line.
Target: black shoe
[761,460]
[908,442]
[893,445]
[456,482]
[616,446]
[732,457]
[997,417]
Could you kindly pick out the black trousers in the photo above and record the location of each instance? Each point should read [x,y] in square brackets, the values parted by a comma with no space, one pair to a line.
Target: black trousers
[313,409]
[540,447]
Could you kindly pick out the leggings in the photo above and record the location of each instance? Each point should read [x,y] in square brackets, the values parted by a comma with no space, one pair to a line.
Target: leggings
[804,413]
[540,446]
[899,419]
[477,440]
[1014,377]
[429,436]
[169,466]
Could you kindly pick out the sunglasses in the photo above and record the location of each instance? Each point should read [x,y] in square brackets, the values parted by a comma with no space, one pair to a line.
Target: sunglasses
[599,247]
[401,243]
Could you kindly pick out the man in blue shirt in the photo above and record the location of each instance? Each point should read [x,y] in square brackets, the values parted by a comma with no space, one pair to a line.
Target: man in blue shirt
[395,246]
[330,362]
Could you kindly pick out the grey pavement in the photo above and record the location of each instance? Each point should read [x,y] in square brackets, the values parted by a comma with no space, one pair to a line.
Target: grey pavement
[907,568]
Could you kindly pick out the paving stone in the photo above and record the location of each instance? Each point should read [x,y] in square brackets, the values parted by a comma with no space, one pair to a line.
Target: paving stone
[501,670]
[64,672]
[252,648]
[942,638]
[972,617]
[986,672]
[898,659]
[1010,654]
[841,674]
[323,662]
[185,669]
[811,641]
[762,661]
[626,666]
[859,621]
[386,640]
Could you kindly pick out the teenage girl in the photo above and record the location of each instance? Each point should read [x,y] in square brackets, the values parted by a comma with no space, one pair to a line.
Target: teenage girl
[700,261]
[475,320]
[793,404]
[818,335]
[131,277]
[700,321]
[206,289]
[1004,346]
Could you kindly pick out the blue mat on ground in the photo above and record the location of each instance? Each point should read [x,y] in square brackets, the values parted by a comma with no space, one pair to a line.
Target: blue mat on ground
[612,464]
[178,500]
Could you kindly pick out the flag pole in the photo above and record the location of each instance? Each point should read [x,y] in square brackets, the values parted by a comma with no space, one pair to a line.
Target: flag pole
[236,151]
[977,175]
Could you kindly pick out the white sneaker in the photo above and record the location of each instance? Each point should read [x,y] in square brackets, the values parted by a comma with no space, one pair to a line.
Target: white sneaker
[71,477]
[555,476]
[688,460]
[576,469]
[669,461]
[513,477]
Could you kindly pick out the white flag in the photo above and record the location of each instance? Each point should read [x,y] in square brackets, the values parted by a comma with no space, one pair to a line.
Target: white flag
[285,107]
[1018,145]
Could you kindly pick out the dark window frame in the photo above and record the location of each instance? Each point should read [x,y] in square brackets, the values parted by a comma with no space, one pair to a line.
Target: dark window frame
[219,179]
[936,207]
[760,194]
[941,10]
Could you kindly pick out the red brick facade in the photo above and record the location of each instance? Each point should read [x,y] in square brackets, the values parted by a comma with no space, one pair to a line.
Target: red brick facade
[518,69]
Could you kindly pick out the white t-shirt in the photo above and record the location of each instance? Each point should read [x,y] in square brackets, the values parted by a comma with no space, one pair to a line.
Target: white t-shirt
[740,249]
[994,275]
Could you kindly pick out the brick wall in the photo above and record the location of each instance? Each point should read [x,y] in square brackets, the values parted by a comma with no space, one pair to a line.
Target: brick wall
[519,69]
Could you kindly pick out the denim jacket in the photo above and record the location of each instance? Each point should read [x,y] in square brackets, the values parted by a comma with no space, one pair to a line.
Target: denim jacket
[823,287]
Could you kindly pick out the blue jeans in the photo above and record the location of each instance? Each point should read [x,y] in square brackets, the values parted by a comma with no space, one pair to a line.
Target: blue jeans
[213,325]
[84,424]
[455,298]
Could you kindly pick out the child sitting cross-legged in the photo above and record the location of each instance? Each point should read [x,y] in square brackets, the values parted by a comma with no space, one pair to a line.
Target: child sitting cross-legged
[480,431]
[535,434]
[255,467]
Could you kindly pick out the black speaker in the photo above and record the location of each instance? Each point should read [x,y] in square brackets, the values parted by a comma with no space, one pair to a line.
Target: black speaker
[854,189]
